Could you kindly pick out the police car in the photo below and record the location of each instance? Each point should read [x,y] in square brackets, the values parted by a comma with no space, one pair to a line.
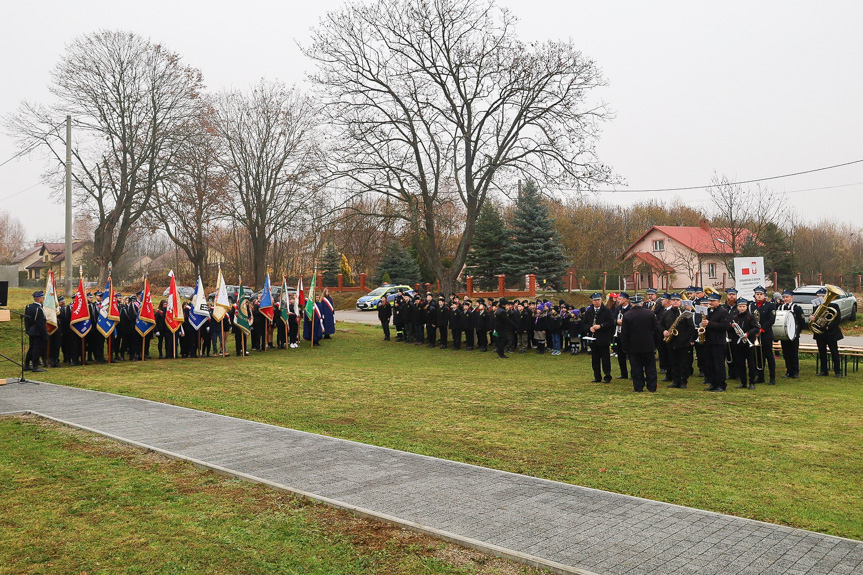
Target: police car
[370,301]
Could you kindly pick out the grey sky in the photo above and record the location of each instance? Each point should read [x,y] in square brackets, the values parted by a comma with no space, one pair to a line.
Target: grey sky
[746,89]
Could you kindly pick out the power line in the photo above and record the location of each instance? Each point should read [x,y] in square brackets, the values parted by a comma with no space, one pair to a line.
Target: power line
[688,188]
[21,192]
[31,146]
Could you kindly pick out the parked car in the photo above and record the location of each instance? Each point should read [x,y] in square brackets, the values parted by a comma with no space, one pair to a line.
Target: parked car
[233,290]
[184,292]
[276,292]
[847,303]
[370,301]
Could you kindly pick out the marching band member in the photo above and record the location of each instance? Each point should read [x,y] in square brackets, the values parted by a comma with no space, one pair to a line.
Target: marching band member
[791,348]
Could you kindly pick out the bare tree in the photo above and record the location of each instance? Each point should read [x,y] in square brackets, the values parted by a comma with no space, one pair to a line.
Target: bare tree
[187,204]
[269,157]
[740,217]
[437,101]
[130,99]
[12,237]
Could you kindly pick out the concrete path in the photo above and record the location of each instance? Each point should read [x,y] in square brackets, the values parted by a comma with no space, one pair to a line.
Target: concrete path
[564,527]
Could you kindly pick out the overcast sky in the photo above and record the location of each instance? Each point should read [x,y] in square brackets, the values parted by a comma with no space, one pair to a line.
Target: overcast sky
[745,89]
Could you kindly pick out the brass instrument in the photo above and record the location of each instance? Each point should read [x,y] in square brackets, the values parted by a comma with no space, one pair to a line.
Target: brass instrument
[759,352]
[672,331]
[824,315]
[709,290]
[741,335]
[702,334]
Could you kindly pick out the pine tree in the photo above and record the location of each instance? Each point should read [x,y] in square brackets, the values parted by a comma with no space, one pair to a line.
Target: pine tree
[536,247]
[489,247]
[398,263]
[332,261]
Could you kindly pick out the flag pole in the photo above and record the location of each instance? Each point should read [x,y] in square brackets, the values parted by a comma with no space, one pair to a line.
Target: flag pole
[83,339]
[314,307]
[109,313]
[143,337]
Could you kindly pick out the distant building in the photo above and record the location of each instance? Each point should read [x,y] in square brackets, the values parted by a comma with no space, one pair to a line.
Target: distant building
[44,257]
[674,257]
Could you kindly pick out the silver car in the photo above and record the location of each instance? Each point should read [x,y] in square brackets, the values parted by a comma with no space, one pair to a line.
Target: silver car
[847,303]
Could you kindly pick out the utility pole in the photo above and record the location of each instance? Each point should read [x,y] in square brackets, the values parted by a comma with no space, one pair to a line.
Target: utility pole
[68,206]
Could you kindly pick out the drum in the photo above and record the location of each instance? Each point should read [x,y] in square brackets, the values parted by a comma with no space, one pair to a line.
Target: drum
[784,328]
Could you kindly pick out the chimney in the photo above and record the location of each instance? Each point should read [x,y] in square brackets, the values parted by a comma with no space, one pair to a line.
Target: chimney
[704,225]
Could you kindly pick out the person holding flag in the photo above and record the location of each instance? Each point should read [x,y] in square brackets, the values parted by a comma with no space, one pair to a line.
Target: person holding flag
[265,309]
[146,318]
[81,323]
[221,307]
[284,315]
[199,312]
[242,320]
[109,314]
[313,326]
[173,317]
[52,323]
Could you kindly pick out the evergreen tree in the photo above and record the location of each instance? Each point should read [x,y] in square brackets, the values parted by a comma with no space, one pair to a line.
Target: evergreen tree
[535,247]
[398,263]
[489,247]
[332,261]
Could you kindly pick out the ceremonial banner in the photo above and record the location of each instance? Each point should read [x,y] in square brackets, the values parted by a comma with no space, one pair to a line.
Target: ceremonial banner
[223,304]
[81,323]
[748,275]
[310,302]
[243,319]
[146,320]
[300,300]
[200,310]
[109,312]
[50,306]
[283,300]
[174,314]
[266,304]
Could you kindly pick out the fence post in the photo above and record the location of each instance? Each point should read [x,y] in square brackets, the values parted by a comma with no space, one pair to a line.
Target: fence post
[859,281]
[724,275]
[501,284]
[775,281]
[470,286]
[570,282]
[363,281]
[531,285]
[604,282]
[840,280]
[320,279]
[799,279]
[438,285]
[819,278]
[417,287]
[341,281]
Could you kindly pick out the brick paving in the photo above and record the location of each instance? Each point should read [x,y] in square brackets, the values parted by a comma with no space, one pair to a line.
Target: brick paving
[566,527]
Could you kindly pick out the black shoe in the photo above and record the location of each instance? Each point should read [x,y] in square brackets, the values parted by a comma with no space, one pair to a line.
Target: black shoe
[606,379]
[36,368]
[502,356]
[713,388]
[597,381]
[637,390]
[327,336]
[742,386]
[794,376]
[819,374]
[837,375]
[667,379]
[673,386]
[622,377]
[470,348]
[772,381]
[751,386]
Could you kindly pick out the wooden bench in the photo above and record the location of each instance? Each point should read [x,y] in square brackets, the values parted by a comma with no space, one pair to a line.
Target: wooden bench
[847,354]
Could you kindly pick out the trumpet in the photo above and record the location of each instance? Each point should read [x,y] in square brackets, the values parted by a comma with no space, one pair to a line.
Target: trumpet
[741,335]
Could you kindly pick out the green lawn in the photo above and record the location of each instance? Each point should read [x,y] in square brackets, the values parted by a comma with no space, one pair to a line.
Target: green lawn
[72,502]
[788,454]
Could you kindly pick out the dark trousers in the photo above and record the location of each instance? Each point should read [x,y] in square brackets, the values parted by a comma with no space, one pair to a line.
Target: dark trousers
[744,363]
[385,324]
[600,356]
[418,333]
[791,355]
[172,340]
[621,361]
[714,364]
[834,354]
[55,342]
[643,371]
[293,331]
[456,339]
[160,343]
[664,357]
[240,341]
[500,344]
[679,364]
[769,360]
[442,330]
[481,339]
[36,351]
[409,332]
[431,330]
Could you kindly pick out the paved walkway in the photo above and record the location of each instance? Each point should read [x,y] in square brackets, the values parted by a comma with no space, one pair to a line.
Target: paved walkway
[568,528]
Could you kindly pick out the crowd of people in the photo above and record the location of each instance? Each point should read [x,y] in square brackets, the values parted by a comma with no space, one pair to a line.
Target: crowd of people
[684,333]
[126,343]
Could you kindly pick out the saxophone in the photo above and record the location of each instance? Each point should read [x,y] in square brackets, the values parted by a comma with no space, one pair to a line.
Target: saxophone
[672,331]
[702,333]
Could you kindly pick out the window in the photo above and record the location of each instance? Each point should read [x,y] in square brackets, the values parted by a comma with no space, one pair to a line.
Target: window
[658,245]
[711,271]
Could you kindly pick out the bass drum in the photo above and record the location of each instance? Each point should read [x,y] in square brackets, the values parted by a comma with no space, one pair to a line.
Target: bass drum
[785,327]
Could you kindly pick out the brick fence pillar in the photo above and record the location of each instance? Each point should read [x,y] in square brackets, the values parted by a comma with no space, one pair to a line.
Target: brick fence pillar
[363,281]
[531,285]
[341,279]
[501,284]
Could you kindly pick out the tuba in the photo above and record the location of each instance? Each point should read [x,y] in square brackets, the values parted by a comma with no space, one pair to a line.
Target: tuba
[824,315]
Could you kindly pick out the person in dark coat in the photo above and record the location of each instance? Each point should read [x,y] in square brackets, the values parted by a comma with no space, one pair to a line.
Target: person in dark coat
[385,312]
[623,306]
[55,340]
[598,324]
[398,317]
[742,344]
[456,322]
[829,338]
[418,319]
[716,324]
[679,344]
[37,331]
[162,331]
[64,321]
[481,320]
[501,326]
[791,348]
[430,316]
[638,336]
[442,321]
[328,313]
[764,312]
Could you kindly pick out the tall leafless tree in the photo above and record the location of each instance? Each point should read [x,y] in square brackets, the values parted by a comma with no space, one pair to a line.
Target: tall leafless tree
[188,202]
[12,237]
[130,100]
[436,100]
[270,158]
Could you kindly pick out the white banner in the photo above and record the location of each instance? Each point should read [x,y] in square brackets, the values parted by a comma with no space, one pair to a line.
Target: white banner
[748,275]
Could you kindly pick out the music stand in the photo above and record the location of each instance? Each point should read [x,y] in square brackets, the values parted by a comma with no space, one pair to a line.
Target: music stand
[4,301]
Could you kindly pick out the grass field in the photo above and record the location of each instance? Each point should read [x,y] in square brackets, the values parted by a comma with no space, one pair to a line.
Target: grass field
[789,454]
[71,502]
